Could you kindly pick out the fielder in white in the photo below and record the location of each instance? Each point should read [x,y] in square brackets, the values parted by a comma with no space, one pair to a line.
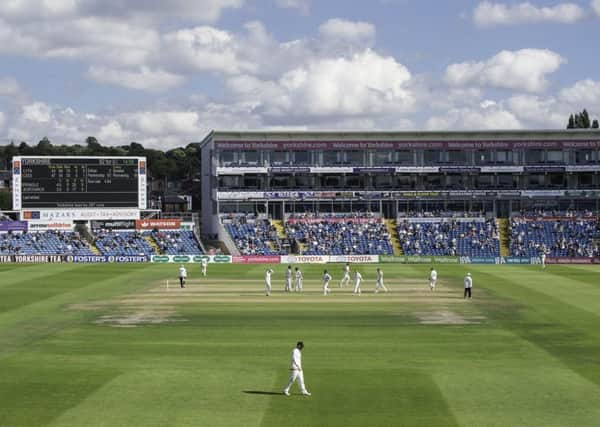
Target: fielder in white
[268,281]
[182,276]
[288,279]
[346,279]
[543,258]
[296,373]
[380,284]
[468,285]
[298,284]
[326,280]
[432,279]
[204,266]
[357,280]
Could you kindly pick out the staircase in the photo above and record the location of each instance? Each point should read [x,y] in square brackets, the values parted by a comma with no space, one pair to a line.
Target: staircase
[152,244]
[278,224]
[502,224]
[94,249]
[391,227]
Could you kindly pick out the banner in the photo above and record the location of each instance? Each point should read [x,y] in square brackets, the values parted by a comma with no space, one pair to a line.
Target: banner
[520,260]
[336,220]
[79,214]
[572,260]
[105,258]
[160,224]
[13,225]
[416,259]
[305,259]
[256,259]
[363,259]
[31,259]
[188,259]
[439,220]
[114,225]
[481,260]
[57,225]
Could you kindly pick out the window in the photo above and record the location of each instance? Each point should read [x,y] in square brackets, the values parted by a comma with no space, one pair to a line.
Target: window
[504,156]
[483,157]
[585,180]
[556,180]
[534,156]
[554,156]
[302,158]
[432,182]
[536,180]
[331,158]
[383,181]
[484,181]
[330,181]
[229,181]
[226,158]
[507,180]
[459,157]
[584,156]
[280,181]
[279,158]
[432,156]
[251,157]
[382,158]
[456,181]
[404,157]
[355,157]
[252,181]
[355,181]
[304,181]
[407,182]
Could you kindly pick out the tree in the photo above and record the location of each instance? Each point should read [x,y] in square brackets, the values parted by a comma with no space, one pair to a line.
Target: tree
[581,121]
[571,124]
[595,124]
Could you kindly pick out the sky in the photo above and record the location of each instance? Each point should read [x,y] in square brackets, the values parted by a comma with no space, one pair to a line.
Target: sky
[166,72]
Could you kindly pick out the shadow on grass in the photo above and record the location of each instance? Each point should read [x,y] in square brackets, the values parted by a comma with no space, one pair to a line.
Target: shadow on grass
[266,393]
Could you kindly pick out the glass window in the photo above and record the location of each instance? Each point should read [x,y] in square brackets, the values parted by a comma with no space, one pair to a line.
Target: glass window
[432,182]
[383,181]
[331,158]
[555,156]
[458,156]
[534,156]
[504,156]
[252,181]
[280,181]
[304,181]
[226,158]
[585,180]
[330,181]
[279,157]
[536,180]
[432,156]
[584,156]
[556,180]
[382,158]
[251,157]
[355,157]
[483,157]
[226,181]
[302,158]
[484,181]
[404,157]
[507,180]
[355,181]
[408,182]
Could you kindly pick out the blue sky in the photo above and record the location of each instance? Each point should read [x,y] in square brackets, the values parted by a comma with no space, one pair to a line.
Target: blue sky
[165,72]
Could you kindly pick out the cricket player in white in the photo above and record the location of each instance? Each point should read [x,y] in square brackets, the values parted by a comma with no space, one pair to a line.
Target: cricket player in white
[182,276]
[357,279]
[468,285]
[432,279]
[346,279]
[380,284]
[299,278]
[296,373]
[288,279]
[268,281]
[326,280]
[543,258]
[204,266]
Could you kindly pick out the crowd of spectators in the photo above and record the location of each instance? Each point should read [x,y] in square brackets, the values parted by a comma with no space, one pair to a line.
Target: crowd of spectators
[574,237]
[121,243]
[350,237]
[555,213]
[437,213]
[51,242]
[253,236]
[175,242]
[449,238]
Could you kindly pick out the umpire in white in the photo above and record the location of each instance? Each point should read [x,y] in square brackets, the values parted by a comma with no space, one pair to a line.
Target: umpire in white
[296,373]
[468,285]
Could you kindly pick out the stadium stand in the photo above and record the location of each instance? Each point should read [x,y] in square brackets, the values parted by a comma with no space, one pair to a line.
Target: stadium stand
[351,236]
[175,243]
[44,243]
[449,238]
[564,237]
[112,243]
[253,236]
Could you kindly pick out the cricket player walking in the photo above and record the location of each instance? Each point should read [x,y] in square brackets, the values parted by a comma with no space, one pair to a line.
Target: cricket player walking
[380,285]
[288,279]
[346,279]
[204,266]
[468,285]
[326,280]
[296,373]
[543,258]
[357,280]
[299,278]
[268,281]
[432,279]
[182,276]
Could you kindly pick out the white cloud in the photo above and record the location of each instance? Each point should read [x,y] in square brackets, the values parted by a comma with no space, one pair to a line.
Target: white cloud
[365,83]
[38,112]
[488,117]
[2,120]
[9,87]
[524,69]
[596,6]
[584,92]
[488,14]
[143,78]
[350,31]
[302,5]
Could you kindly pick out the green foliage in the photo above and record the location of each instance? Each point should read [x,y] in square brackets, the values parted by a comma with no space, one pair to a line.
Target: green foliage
[581,121]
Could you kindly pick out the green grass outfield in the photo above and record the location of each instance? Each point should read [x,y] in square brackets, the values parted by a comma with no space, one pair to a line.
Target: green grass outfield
[109,345]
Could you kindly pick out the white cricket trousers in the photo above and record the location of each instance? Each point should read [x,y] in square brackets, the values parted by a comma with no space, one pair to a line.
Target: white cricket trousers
[379,286]
[268,288]
[357,287]
[288,285]
[299,285]
[345,280]
[296,375]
